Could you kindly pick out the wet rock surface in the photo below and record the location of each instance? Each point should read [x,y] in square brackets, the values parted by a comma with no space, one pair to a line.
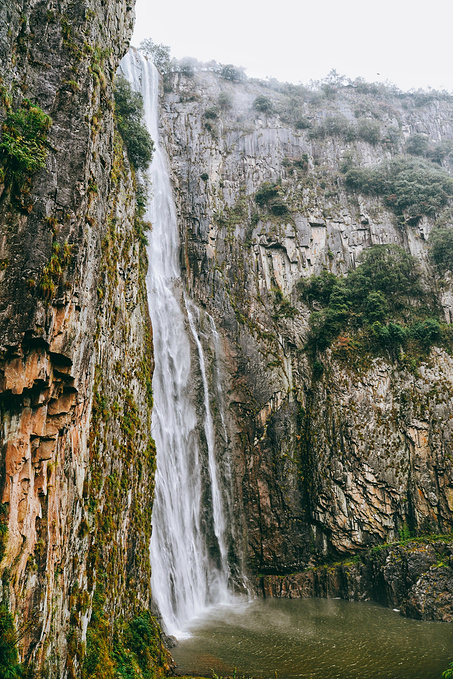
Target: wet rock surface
[416,578]
[325,465]
[77,461]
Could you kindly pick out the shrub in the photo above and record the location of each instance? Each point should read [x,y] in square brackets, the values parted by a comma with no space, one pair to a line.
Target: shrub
[300,164]
[9,665]
[211,113]
[427,332]
[376,307]
[302,123]
[383,302]
[317,370]
[266,192]
[417,145]
[225,101]
[390,270]
[187,67]
[24,140]
[369,130]
[277,206]
[230,72]
[317,288]
[336,126]
[262,104]
[129,114]
[407,185]
[441,249]
[391,136]
[268,195]
[440,151]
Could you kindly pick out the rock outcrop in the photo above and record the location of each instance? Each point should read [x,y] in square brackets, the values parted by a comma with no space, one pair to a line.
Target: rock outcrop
[416,578]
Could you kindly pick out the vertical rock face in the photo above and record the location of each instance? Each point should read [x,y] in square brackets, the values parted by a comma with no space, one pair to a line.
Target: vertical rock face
[324,463]
[77,461]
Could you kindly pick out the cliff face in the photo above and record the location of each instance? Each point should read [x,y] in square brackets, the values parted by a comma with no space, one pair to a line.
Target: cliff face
[415,577]
[325,462]
[76,345]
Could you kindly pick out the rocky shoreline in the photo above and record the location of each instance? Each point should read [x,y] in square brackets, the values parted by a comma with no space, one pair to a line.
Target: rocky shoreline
[415,577]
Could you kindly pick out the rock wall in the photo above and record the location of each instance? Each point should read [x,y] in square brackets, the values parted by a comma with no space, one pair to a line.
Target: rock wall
[414,577]
[77,463]
[324,464]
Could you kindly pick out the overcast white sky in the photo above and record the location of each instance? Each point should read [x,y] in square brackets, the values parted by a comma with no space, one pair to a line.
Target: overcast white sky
[408,42]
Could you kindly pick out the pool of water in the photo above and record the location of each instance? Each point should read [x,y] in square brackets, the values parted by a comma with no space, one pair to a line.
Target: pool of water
[315,639]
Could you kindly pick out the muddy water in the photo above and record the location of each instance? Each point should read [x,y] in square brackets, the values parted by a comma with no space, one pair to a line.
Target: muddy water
[315,639]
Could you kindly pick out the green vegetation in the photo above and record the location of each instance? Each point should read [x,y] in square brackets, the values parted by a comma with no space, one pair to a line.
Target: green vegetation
[407,185]
[282,306]
[129,115]
[24,147]
[160,55]
[130,654]
[225,101]
[3,529]
[262,104]
[52,274]
[270,195]
[299,164]
[419,145]
[369,131]
[382,306]
[211,113]
[10,667]
[187,67]
[302,123]
[230,72]
[448,674]
[337,126]
[441,249]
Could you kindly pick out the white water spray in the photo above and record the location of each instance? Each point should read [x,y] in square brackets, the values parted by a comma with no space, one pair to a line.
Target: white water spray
[188,544]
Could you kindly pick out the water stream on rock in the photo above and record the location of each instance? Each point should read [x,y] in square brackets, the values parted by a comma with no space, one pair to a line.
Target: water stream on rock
[188,544]
[192,522]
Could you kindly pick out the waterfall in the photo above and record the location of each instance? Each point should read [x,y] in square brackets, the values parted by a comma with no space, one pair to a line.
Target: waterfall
[188,544]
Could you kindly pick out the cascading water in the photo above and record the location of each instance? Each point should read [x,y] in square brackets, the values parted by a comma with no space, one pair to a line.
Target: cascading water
[188,544]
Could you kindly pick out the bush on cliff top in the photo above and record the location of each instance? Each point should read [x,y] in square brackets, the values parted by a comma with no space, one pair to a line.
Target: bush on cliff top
[160,54]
